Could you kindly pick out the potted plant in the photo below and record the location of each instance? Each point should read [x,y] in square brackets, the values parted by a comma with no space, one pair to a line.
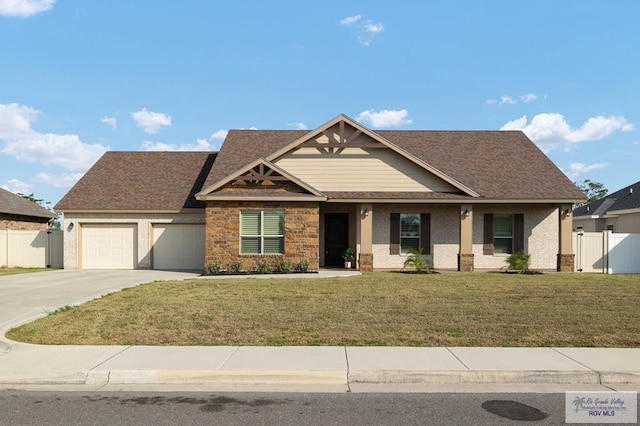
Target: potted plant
[349,256]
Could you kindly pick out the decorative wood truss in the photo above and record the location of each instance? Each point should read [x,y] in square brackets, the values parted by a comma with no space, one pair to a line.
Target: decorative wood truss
[338,141]
[261,172]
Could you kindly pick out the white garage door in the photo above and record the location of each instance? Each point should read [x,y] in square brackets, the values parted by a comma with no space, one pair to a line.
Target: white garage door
[178,246]
[109,246]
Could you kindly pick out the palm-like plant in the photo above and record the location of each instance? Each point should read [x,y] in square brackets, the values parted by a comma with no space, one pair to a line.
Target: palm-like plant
[416,260]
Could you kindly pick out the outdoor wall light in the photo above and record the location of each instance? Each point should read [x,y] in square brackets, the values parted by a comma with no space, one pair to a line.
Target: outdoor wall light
[70,227]
[465,213]
[365,212]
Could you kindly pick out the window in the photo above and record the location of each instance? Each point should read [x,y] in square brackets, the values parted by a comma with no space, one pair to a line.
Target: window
[262,232]
[503,233]
[409,232]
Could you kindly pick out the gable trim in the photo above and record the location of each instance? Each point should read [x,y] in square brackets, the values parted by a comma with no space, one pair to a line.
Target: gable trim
[360,129]
[206,193]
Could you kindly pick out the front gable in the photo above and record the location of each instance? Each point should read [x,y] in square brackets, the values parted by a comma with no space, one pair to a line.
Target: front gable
[261,180]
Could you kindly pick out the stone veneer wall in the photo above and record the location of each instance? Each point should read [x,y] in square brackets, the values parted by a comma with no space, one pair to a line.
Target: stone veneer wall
[23,223]
[301,233]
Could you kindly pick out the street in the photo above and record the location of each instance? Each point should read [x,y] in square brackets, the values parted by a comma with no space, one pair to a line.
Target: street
[191,408]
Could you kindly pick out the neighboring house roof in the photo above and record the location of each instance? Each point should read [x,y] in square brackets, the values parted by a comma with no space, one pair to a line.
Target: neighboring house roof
[14,204]
[627,198]
[128,181]
[495,165]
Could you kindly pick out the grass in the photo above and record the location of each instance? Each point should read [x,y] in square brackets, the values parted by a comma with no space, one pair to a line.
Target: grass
[480,309]
[5,270]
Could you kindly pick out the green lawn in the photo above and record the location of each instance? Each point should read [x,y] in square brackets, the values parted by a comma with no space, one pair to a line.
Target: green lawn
[449,309]
[5,270]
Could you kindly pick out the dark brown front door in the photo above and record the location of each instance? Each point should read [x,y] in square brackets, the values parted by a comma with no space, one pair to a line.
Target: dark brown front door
[336,237]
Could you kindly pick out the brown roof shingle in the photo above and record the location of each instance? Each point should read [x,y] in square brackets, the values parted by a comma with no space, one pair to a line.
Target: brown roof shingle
[495,164]
[141,181]
[14,204]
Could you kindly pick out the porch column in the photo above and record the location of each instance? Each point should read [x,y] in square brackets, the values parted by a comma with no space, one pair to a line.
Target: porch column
[365,261]
[566,257]
[465,257]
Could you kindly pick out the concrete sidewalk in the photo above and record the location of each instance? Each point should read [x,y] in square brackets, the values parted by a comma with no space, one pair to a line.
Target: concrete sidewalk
[317,368]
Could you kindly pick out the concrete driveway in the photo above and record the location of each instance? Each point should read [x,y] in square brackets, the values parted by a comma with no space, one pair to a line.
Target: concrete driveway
[25,297]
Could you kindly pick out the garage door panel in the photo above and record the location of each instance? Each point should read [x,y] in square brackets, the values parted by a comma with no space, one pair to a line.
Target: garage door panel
[109,246]
[178,246]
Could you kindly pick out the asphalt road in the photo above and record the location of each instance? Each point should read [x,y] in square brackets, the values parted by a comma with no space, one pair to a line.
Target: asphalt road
[146,408]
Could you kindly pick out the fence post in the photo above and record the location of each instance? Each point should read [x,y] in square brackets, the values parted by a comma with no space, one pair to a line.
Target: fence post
[606,242]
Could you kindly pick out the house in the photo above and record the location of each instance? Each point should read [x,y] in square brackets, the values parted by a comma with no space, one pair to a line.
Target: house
[617,212]
[19,214]
[467,198]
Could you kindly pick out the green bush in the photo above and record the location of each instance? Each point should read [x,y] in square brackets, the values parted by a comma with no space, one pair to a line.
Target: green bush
[416,260]
[235,268]
[519,262]
[212,268]
[285,266]
[303,266]
[263,267]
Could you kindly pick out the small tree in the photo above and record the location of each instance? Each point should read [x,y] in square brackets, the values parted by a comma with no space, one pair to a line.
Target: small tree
[592,190]
[416,260]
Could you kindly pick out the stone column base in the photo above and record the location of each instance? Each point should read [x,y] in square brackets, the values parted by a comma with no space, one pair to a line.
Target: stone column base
[365,262]
[465,262]
[566,262]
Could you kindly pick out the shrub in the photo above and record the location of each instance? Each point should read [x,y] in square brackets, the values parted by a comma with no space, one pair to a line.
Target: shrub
[263,267]
[519,262]
[303,266]
[212,268]
[285,266]
[235,267]
[416,260]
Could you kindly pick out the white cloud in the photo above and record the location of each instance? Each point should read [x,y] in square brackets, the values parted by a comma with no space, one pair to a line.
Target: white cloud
[298,126]
[220,134]
[17,186]
[62,180]
[200,145]
[151,122]
[350,20]
[551,130]
[385,118]
[373,28]
[576,169]
[28,145]
[366,29]
[110,121]
[510,100]
[24,8]
[529,97]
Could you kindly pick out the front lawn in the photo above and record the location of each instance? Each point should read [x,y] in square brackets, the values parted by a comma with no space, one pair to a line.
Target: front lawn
[5,270]
[449,309]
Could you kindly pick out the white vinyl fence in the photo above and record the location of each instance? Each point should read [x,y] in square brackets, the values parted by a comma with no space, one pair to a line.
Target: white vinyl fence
[35,249]
[607,252]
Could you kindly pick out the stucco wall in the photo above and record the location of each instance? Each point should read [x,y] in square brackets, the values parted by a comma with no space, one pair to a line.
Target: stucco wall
[144,222]
[541,235]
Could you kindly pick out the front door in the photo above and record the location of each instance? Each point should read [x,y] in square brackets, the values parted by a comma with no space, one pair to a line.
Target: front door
[336,238]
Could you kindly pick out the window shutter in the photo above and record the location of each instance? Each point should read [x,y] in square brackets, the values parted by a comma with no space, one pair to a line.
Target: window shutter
[487,247]
[518,233]
[394,234]
[425,232]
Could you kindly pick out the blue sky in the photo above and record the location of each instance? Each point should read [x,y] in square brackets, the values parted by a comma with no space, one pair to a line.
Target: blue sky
[80,77]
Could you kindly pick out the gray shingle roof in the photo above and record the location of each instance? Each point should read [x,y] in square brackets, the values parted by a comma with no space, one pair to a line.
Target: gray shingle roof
[624,199]
[141,181]
[14,204]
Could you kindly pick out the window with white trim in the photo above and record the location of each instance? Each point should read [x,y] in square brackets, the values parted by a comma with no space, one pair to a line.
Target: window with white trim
[262,232]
